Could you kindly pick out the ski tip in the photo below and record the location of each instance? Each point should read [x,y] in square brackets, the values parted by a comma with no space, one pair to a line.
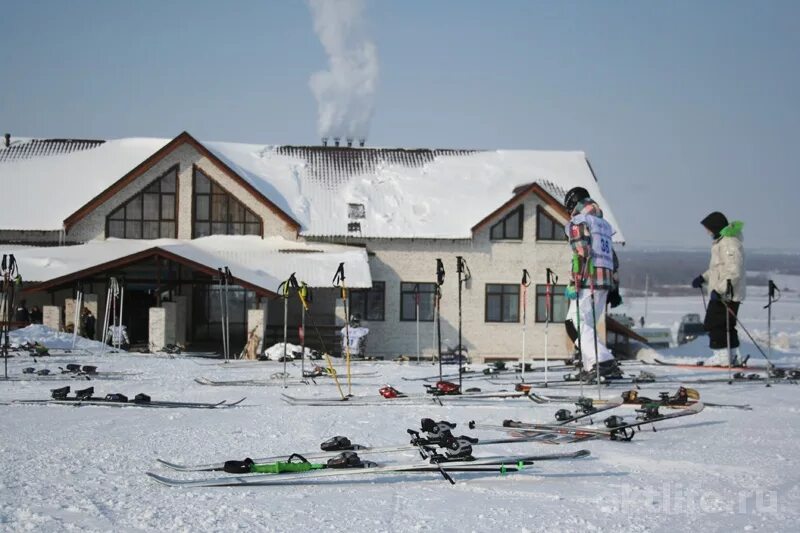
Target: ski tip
[159,479]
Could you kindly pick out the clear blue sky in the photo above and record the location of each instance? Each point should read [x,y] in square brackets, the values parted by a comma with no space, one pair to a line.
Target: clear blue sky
[682,107]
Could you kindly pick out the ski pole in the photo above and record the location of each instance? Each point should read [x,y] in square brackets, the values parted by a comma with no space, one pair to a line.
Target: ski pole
[578,281]
[728,297]
[758,347]
[463,275]
[303,294]
[283,289]
[228,277]
[770,300]
[524,284]
[551,279]
[338,279]
[439,281]
[331,369]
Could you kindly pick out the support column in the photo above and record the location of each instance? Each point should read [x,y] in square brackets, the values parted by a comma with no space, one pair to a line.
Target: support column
[256,322]
[162,326]
[51,317]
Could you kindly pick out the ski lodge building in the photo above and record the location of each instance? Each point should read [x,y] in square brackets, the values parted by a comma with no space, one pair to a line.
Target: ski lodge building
[163,216]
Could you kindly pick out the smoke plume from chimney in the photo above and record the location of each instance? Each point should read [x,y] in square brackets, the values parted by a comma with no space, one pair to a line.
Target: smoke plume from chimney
[345,92]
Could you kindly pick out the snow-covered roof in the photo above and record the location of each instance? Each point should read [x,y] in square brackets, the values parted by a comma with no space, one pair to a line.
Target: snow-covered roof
[405,193]
[264,263]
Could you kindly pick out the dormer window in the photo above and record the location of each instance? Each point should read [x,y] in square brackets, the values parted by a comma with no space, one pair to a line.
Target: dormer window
[510,227]
[356,211]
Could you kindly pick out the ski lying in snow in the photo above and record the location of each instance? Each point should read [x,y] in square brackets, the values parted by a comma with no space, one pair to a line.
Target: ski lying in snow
[501,464]
[404,399]
[344,444]
[708,367]
[86,397]
[586,407]
[249,382]
[637,398]
[616,428]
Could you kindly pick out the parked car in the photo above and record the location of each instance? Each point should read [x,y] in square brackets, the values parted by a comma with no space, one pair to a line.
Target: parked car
[690,328]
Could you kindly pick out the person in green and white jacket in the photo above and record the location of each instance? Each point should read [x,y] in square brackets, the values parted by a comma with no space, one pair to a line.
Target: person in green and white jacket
[725,281]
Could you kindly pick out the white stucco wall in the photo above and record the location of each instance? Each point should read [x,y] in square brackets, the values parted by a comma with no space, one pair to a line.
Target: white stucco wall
[414,260]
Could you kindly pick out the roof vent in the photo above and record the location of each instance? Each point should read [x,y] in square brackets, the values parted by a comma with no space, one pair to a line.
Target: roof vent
[362,141]
[324,141]
[8,140]
[349,142]
[336,141]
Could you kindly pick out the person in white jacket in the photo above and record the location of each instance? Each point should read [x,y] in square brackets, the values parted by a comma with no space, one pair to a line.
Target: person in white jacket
[725,280]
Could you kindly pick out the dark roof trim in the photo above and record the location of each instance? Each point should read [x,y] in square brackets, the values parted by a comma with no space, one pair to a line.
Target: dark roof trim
[137,257]
[147,164]
[533,188]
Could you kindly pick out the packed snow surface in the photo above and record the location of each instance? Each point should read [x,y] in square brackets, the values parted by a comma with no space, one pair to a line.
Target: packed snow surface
[82,469]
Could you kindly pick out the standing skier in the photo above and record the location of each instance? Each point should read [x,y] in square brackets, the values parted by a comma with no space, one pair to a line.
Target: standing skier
[725,279]
[593,264]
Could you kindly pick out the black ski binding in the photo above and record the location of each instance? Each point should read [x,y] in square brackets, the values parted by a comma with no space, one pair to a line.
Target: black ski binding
[60,394]
[28,370]
[562,415]
[43,372]
[116,397]
[585,405]
[614,421]
[347,459]
[429,426]
[336,443]
[89,369]
[141,398]
[648,411]
[85,394]
[73,368]
[238,467]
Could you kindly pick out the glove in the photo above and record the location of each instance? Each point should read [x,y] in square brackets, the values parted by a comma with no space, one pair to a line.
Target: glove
[714,296]
[698,282]
[570,293]
[614,299]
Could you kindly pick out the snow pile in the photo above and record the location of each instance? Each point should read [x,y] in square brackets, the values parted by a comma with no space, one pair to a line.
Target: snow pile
[52,339]
[275,352]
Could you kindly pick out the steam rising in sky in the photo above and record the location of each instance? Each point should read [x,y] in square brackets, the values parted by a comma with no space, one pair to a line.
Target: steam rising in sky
[345,92]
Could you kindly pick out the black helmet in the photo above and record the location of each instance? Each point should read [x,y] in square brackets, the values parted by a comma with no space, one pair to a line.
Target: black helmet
[575,195]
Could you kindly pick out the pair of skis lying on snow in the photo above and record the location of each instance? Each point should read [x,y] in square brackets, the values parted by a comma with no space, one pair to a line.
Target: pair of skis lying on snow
[341,458]
[299,468]
[86,397]
[629,398]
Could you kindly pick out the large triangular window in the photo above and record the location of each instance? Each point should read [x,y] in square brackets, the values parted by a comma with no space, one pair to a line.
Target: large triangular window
[510,228]
[217,212]
[151,214]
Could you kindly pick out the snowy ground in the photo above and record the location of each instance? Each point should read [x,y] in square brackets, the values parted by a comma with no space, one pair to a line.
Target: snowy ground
[82,469]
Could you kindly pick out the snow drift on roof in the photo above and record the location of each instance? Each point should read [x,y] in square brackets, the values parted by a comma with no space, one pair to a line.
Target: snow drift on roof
[265,263]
